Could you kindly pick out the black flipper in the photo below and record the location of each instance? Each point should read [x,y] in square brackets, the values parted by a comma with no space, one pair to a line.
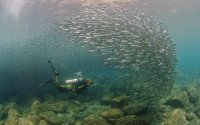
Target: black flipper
[55,72]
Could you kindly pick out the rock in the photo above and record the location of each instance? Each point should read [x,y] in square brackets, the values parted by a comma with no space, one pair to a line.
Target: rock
[71,121]
[179,101]
[194,122]
[58,107]
[1,107]
[24,121]
[73,115]
[148,119]
[72,108]
[94,120]
[1,111]
[10,105]
[77,103]
[25,111]
[78,123]
[190,116]
[106,100]
[63,116]
[82,107]
[163,108]
[129,120]
[70,118]
[193,95]
[2,123]
[13,117]
[197,110]
[177,117]
[51,118]
[42,122]
[35,119]
[119,101]
[37,108]
[135,108]
[112,115]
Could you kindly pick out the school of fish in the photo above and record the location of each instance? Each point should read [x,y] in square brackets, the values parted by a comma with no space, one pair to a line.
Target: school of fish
[136,45]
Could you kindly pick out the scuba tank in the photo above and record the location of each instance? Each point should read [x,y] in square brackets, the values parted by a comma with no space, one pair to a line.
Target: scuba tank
[74,81]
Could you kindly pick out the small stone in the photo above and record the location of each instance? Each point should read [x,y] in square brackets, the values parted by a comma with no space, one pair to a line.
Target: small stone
[177,117]
[190,116]
[2,123]
[51,118]
[94,120]
[77,103]
[119,101]
[10,105]
[73,115]
[112,115]
[25,111]
[193,95]
[1,111]
[129,120]
[82,107]
[135,108]
[1,107]
[37,108]
[78,123]
[13,117]
[194,122]
[24,121]
[42,122]
[71,121]
[106,100]
[72,108]
[197,110]
[179,101]
[58,107]
[35,119]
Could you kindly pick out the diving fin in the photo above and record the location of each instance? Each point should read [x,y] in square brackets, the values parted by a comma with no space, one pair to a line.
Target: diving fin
[55,72]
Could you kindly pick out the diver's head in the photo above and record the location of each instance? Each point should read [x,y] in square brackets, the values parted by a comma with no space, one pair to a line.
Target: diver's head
[89,82]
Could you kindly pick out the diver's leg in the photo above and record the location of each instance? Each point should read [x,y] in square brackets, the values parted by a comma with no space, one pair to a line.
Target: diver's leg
[49,81]
[57,83]
[60,88]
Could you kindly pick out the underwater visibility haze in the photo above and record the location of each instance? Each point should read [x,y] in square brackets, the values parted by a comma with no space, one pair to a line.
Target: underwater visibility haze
[142,57]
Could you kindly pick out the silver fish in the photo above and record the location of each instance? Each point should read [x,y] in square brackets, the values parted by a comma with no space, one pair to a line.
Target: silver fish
[129,41]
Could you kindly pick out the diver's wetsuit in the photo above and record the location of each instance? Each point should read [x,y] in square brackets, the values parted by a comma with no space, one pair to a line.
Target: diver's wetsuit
[76,87]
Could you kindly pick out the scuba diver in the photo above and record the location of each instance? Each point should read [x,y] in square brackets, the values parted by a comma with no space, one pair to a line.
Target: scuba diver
[75,85]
